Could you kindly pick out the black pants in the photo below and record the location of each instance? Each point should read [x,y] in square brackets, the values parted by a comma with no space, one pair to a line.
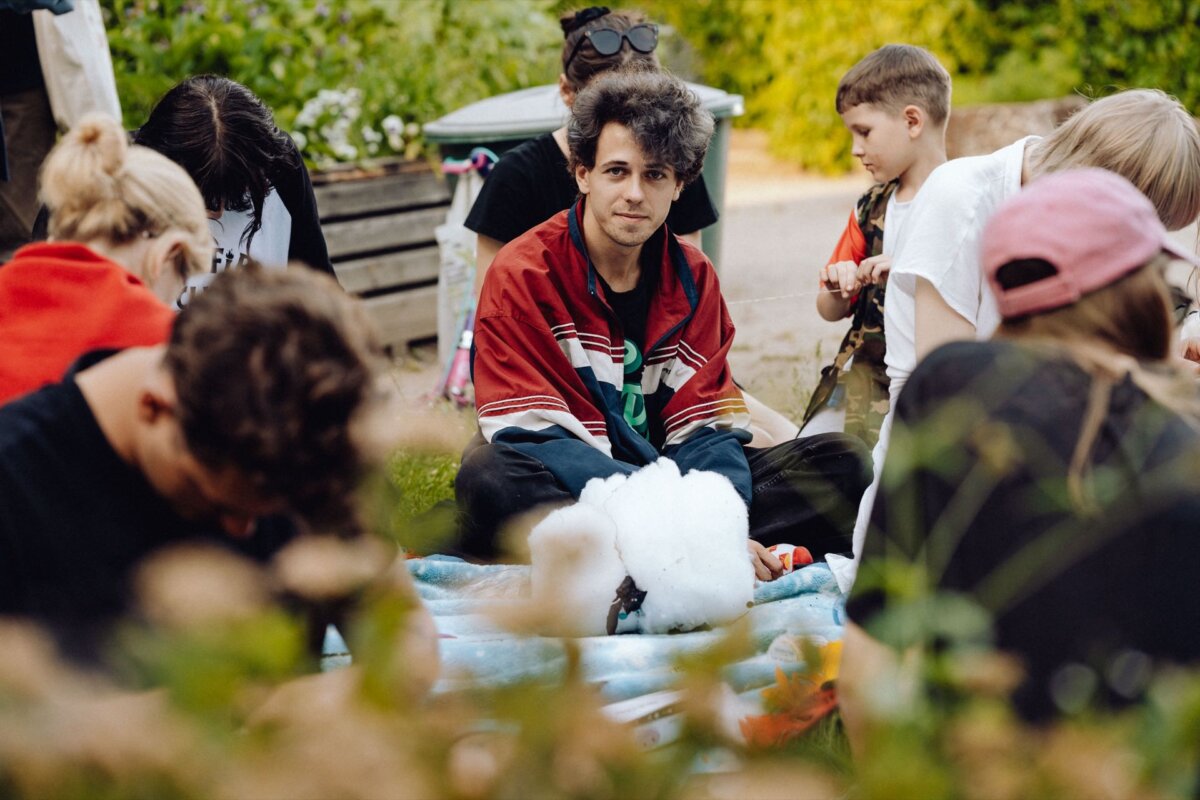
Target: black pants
[804,492]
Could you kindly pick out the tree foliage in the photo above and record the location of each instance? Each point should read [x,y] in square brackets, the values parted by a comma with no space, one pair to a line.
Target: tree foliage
[786,57]
[414,60]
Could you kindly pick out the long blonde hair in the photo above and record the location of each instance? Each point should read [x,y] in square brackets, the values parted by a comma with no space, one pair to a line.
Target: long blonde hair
[1144,135]
[98,187]
[1124,329]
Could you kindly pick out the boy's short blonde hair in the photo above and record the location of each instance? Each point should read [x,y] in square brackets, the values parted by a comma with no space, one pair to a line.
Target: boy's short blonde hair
[895,76]
[1144,135]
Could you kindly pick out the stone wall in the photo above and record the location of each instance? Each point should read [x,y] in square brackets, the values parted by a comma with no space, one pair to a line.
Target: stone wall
[975,130]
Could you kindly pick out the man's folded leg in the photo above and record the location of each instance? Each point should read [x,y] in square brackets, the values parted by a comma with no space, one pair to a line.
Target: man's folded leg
[806,491]
[495,484]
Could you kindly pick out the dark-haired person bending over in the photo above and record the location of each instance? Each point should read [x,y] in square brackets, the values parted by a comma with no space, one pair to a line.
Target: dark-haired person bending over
[253,180]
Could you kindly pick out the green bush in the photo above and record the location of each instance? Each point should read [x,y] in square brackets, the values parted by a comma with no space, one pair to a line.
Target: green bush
[404,62]
[786,57]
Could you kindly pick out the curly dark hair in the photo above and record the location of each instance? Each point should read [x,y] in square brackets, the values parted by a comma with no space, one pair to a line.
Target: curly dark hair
[663,114]
[226,139]
[276,373]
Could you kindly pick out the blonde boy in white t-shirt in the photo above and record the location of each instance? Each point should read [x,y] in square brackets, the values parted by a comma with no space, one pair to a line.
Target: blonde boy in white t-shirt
[895,102]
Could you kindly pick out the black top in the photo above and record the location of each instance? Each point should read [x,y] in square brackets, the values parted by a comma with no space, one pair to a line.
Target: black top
[19,65]
[75,519]
[984,435]
[530,184]
[631,309]
[291,180]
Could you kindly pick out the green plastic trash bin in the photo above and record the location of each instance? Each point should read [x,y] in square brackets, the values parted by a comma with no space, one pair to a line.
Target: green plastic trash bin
[504,121]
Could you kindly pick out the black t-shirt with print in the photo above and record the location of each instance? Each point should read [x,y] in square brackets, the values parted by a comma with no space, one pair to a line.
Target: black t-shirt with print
[530,184]
[975,484]
[76,519]
[631,309]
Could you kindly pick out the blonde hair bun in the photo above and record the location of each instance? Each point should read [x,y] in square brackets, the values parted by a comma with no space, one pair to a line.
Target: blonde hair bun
[99,187]
[81,171]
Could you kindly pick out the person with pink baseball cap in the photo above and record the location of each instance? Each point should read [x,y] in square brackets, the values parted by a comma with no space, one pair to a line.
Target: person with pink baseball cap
[1051,475]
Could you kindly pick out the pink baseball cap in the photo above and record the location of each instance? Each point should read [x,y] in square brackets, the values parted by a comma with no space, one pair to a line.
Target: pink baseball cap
[1091,225]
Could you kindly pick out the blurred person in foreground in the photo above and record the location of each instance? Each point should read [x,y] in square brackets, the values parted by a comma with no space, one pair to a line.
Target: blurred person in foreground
[602,339]
[127,229]
[255,422]
[1051,476]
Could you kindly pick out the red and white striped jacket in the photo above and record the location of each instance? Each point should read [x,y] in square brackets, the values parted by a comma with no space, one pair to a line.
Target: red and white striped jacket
[548,361]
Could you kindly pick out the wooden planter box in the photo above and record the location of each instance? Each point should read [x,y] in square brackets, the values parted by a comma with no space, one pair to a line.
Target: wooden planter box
[379,225]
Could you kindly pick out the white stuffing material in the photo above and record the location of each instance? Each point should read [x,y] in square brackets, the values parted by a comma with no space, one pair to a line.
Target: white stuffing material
[681,538]
[576,569]
[683,541]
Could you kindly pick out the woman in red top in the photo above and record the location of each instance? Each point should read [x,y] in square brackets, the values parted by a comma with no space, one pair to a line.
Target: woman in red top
[127,228]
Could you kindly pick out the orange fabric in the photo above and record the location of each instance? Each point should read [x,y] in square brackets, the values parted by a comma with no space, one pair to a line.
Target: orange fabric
[851,246]
[60,300]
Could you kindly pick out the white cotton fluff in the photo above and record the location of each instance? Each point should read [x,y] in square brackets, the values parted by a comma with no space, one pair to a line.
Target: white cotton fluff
[683,541]
[576,569]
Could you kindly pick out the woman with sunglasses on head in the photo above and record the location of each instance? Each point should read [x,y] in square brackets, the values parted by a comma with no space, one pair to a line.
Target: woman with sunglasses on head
[531,182]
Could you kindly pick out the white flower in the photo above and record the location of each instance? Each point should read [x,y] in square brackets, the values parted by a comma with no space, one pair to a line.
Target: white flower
[392,125]
[300,139]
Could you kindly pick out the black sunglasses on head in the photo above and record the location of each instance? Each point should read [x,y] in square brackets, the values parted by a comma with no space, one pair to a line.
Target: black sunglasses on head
[608,42]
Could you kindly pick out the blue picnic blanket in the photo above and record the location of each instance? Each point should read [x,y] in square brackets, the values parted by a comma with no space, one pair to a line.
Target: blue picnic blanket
[476,650]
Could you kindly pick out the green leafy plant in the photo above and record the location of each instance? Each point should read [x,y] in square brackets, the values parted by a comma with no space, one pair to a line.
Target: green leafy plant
[786,58]
[383,61]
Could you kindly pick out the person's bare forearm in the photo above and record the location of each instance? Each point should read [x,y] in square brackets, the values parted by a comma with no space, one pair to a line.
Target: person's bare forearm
[485,252]
[832,306]
[937,322]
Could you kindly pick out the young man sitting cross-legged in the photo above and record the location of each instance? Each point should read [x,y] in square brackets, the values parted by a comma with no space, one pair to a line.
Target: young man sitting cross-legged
[601,343]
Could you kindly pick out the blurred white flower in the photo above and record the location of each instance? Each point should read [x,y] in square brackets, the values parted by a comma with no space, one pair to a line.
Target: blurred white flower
[392,124]
[330,127]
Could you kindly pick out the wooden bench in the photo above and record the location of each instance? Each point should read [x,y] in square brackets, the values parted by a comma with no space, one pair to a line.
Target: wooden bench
[379,226]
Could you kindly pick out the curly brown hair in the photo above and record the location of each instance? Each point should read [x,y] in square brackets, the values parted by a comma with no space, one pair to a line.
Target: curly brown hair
[663,114]
[274,373]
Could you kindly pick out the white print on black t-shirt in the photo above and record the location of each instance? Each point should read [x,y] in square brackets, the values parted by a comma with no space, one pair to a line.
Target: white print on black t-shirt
[269,246]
